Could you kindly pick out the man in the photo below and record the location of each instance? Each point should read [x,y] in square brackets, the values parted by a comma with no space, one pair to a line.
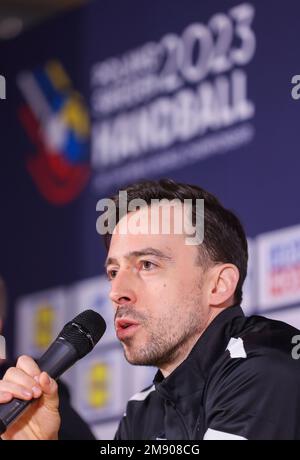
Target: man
[72,425]
[176,305]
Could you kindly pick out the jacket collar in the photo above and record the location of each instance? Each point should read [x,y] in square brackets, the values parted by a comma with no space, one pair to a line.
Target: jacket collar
[190,376]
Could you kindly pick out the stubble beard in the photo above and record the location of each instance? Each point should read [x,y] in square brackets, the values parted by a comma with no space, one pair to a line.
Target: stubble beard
[165,342]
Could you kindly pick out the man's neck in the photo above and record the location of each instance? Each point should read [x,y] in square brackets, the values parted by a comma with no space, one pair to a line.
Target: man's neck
[187,347]
[181,356]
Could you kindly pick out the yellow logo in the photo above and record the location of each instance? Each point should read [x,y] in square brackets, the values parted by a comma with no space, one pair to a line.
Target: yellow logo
[98,385]
[44,326]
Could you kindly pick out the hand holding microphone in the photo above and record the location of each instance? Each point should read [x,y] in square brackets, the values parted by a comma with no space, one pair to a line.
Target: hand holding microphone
[26,382]
[31,385]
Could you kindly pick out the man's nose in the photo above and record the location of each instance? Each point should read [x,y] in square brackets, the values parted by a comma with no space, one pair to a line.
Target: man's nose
[123,288]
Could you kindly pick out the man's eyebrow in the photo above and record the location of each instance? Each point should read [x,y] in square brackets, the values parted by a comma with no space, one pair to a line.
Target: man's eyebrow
[140,253]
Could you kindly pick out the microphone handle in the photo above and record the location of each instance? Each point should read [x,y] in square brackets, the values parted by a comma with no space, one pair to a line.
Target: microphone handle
[55,361]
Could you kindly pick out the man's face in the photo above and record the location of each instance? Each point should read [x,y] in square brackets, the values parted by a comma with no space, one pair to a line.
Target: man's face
[158,292]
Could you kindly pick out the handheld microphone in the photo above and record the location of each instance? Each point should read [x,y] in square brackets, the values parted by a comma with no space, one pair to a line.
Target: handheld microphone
[77,338]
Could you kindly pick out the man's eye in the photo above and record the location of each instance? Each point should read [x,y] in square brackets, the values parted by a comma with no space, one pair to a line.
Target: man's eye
[111,274]
[147,265]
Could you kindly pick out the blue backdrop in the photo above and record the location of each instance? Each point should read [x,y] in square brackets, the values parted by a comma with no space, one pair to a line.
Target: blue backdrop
[116,91]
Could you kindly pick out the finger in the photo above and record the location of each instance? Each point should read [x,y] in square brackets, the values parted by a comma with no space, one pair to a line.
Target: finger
[28,365]
[17,390]
[5,397]
[50,391]
[48,385]
[19,377]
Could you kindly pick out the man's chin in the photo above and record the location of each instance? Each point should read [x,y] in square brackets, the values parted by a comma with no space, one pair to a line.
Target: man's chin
[136,358]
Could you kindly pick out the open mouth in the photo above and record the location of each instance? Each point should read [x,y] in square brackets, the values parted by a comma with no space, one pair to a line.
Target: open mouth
[125,327]
[124,323]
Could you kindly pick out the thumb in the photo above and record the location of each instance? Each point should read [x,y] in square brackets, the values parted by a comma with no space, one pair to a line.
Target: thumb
[50,391]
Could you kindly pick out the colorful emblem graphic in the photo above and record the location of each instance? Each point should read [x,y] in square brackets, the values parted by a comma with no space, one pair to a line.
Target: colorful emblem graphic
[57,122]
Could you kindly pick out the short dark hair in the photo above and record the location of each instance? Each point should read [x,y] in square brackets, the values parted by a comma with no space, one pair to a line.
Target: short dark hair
[224,237]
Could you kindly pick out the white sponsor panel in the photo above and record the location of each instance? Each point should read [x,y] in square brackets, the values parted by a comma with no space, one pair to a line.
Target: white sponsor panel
[100,389]
[2,87]
[278,268]
[105,431]
[135,379]
[249,288]
[288,315]
[93,294]
[2,347]
[39,319]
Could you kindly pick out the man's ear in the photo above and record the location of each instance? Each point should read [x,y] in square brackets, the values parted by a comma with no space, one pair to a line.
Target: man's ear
[223,281]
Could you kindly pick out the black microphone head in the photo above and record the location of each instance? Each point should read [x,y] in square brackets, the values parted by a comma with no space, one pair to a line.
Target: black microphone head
[84,331]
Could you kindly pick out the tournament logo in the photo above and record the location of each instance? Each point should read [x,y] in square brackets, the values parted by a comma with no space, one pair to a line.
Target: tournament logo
[56,120]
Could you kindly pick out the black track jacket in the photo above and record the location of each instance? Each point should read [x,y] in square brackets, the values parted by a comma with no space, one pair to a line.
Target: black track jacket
[240,381]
